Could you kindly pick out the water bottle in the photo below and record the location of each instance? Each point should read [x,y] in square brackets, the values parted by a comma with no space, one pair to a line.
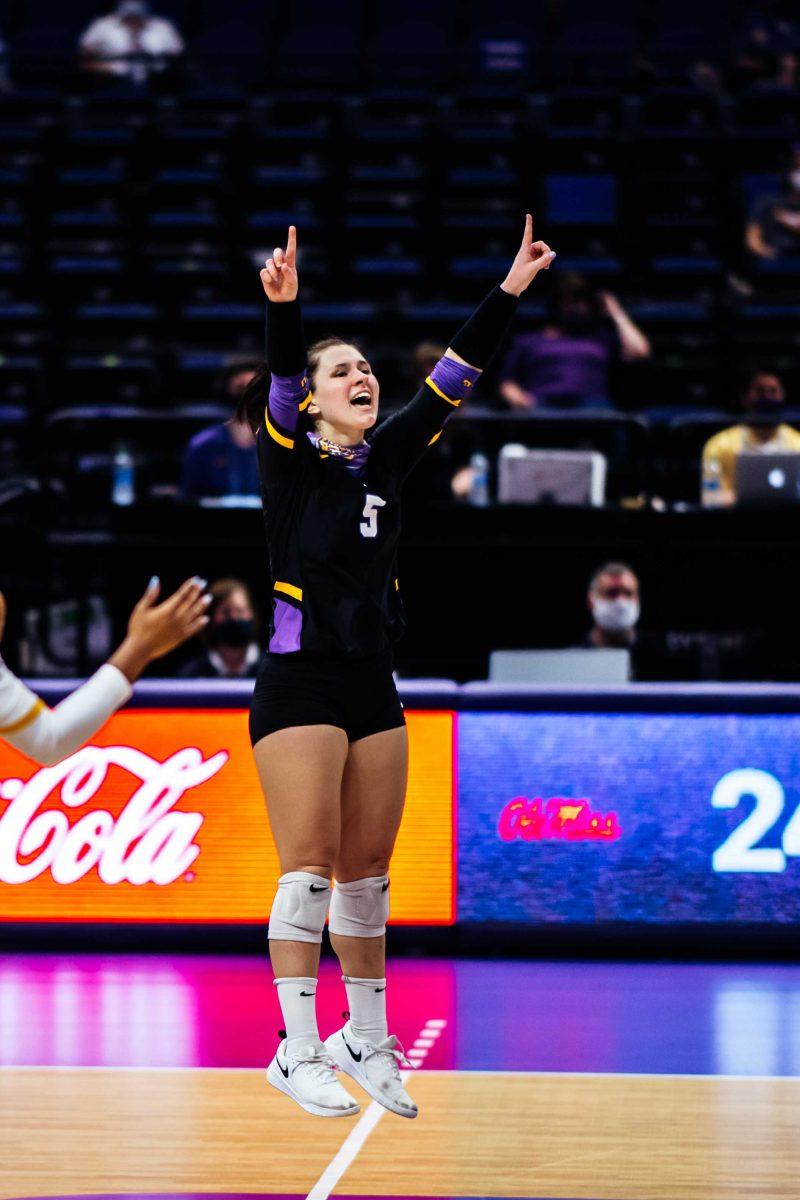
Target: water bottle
[479,490]
[123,491]
[711,494]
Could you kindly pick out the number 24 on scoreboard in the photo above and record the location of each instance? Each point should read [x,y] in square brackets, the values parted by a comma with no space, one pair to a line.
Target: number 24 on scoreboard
[740,851]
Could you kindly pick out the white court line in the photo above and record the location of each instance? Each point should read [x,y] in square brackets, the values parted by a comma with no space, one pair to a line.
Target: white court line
[348,1150]
[355,1140]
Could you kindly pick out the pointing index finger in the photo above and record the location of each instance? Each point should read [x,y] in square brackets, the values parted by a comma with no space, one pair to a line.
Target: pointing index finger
[528,236]
[291,246]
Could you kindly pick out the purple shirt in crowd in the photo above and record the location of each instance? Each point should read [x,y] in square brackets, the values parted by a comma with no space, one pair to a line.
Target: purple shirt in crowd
[561,367]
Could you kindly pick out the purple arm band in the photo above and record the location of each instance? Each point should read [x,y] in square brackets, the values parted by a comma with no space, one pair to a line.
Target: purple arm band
[286,393]
[455,379]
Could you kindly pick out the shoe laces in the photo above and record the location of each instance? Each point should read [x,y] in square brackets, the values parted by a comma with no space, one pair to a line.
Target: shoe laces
[390,1055]
[321,1066]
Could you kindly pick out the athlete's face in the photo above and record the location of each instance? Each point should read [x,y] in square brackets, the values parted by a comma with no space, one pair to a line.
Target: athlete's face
[345,393]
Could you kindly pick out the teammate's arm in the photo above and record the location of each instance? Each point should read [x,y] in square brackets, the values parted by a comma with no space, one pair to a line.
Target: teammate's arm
[289,392]
[48,735]
[406,434]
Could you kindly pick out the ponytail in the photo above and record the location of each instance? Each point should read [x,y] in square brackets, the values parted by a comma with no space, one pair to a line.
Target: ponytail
[253,399]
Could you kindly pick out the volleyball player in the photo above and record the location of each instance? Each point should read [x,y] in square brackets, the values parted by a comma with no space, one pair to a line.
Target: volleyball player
[326,723]
[48,735]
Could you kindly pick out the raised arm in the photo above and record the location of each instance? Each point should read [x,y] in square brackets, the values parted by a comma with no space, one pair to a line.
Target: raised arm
[48,735]
[405,435]
[289,392]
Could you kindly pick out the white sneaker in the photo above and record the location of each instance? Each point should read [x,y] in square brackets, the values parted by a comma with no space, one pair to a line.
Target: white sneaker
[375,1066]
[307,1075]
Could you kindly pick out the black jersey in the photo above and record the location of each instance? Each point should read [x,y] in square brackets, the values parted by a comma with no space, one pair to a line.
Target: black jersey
[333,515]
[333,522]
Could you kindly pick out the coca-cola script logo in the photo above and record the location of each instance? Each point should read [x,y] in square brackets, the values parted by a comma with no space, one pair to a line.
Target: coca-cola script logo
[147,843]
[558,818]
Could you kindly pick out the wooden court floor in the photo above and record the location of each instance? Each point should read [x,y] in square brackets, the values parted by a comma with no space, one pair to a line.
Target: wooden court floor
[587,1137]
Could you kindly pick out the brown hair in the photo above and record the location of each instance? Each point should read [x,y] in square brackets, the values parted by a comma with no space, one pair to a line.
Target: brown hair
[611,568]
[253,399]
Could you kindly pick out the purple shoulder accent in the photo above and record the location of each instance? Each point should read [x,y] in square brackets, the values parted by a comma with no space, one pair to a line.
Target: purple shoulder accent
[453,378]
[286,394]
[288,628]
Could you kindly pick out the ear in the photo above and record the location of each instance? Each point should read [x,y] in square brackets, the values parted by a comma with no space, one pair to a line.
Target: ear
[313,409]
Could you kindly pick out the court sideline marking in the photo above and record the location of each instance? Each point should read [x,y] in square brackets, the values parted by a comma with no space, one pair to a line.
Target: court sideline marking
[358,1135]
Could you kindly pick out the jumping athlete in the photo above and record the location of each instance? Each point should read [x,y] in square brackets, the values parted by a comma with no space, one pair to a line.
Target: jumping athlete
[326,723]
[47,735]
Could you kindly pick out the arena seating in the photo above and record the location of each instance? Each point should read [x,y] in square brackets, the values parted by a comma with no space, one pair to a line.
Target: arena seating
[133,221]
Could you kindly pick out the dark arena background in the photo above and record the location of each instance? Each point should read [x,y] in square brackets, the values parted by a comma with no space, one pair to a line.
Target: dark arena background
[595,898]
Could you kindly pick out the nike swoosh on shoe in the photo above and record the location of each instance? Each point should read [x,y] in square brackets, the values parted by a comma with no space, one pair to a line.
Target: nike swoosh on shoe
[353,1054]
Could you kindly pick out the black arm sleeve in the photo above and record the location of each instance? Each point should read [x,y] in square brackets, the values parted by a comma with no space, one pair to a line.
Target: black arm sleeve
[477,340]
[404,436]
[286,343]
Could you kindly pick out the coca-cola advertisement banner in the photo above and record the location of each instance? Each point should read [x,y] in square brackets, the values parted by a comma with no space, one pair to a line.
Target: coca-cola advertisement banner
[161,818]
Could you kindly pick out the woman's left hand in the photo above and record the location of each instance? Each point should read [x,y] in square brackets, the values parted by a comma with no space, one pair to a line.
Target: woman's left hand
[532,257]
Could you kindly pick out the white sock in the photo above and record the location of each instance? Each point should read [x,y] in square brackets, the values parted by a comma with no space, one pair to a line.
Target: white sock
[366,999]
[298,1001]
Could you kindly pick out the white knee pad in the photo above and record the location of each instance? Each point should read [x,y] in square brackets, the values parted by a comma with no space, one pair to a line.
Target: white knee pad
[299,908]
[360,908]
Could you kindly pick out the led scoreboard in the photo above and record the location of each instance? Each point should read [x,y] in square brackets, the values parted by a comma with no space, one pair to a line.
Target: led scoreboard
[537,816]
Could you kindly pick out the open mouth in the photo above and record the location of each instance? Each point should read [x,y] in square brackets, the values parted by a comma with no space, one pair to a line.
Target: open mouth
[362,400]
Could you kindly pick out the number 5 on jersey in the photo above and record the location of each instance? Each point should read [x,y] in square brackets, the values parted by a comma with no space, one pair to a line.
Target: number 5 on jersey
[369,527]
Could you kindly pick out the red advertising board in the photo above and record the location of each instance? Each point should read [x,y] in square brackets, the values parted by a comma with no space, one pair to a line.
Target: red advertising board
[161,818]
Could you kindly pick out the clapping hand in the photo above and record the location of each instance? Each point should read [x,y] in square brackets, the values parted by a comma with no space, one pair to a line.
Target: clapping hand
[532,257]
[279,275]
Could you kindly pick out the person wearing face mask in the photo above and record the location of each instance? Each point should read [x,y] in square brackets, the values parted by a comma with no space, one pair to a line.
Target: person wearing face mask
[763,399]
[231,650]
[613,601]
[566,364]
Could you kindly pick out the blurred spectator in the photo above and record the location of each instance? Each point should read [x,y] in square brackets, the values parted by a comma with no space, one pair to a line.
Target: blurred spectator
[222,461]
[566,364]
[783,77]
[231,646]
[426,356]
[764,397]
[613,601]
[768,33]
[773,230]
[130,42]
[5,71]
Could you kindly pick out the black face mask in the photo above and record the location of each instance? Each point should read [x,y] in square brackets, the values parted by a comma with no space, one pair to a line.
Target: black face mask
[764,406]
[234,633]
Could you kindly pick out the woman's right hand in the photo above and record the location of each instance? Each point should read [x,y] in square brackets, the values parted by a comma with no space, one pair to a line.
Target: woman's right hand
[155,629]
[279,276]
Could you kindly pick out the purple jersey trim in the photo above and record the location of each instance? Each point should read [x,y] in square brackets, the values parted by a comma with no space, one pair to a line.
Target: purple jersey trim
[453,378]
[286,394]
[288,628]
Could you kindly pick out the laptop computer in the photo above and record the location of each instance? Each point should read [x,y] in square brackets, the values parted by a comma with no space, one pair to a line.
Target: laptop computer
[550,476]
[765,478]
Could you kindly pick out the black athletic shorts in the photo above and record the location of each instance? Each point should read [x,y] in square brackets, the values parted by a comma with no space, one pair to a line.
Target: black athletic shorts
[357,695]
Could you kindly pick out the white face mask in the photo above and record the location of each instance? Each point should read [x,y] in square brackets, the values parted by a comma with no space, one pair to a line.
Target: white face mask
[616,616]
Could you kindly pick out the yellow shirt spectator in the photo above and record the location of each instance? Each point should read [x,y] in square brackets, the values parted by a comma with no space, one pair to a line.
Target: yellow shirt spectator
[721,451]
